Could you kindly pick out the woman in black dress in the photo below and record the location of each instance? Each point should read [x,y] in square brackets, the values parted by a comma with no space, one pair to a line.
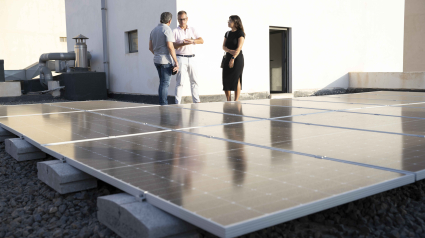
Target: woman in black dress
[234,62]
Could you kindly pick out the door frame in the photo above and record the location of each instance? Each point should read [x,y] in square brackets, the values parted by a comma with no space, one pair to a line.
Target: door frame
[288,65]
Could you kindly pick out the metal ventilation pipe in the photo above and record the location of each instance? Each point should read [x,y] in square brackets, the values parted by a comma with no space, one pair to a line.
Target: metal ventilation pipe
[45,73]
[80,48]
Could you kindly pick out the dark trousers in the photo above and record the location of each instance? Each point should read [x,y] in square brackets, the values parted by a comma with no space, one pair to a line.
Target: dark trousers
[164,71]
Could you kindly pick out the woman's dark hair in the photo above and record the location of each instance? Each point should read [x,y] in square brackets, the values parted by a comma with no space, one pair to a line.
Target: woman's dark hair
[238,22]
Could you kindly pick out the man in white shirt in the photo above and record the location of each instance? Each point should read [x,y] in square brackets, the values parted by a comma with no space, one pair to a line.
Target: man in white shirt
[185,40]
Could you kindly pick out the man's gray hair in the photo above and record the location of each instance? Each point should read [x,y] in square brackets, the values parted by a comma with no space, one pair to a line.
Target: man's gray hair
[166,17]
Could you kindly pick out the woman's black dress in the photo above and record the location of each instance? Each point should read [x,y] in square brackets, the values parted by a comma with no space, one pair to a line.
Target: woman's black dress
[232,75]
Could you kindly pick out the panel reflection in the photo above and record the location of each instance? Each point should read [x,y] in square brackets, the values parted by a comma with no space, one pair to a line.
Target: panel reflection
[220,180]
[53,128]
[30,109]
[250,110]
[236,163]
[381,149]
[173,117]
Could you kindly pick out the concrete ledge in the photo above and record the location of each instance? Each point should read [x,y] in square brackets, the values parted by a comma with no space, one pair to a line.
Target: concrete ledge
[222,97]
[128,217]
[153,99]
[5,134]
[21,150]
[10,89]
[387,80]
[64,178]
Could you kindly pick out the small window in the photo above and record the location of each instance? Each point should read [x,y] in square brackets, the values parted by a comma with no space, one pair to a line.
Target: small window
[133,43]
[62,39]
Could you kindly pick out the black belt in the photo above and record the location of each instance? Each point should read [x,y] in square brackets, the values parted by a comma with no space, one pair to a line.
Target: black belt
[188,56]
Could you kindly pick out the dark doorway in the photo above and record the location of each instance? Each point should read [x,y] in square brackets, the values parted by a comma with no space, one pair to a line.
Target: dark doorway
[279,57]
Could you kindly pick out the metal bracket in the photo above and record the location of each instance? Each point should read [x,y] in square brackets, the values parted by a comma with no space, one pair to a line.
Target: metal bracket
[21,137]
[142,197]
[63,160]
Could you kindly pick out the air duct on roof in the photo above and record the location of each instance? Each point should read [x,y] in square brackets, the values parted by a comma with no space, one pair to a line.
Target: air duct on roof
[81,57]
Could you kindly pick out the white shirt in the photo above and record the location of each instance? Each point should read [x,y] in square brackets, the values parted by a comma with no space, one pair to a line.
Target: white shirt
[180,35]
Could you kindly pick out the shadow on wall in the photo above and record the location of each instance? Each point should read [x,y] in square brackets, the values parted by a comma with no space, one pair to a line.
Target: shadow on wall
[332,88]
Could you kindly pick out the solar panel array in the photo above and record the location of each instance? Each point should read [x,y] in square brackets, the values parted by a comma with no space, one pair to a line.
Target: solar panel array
[236,167]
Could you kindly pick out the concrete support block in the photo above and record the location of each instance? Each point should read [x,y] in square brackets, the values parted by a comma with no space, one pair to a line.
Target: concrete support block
[5,134]
[128,217]
[52,85]
[21,150]
[64,178]
[10,89]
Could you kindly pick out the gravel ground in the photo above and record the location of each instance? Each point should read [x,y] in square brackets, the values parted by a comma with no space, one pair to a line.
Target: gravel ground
[29,208]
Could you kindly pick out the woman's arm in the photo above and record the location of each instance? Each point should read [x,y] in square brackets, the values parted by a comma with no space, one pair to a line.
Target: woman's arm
[241,40]
[224,45]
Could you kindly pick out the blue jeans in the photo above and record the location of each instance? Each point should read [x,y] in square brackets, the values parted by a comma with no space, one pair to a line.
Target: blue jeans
[164,71]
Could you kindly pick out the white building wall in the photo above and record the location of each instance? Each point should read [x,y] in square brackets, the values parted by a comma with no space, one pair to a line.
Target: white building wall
[85,17]
[134,72]
[329,39]
[29,28]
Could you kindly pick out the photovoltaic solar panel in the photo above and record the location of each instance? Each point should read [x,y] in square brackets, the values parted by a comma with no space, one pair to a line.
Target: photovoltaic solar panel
[174,117]
[396,152]
[31,109]
[55,128]
[307,104]
[226,188]
[379,97]
[394,93]
[98,105]
[228,168]
[356,100]
[249,110]
[414,105]
[356,121]
[394,111]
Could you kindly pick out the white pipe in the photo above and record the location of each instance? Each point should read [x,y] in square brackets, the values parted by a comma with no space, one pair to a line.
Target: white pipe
[105,43]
